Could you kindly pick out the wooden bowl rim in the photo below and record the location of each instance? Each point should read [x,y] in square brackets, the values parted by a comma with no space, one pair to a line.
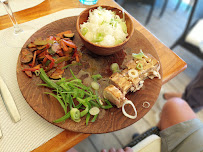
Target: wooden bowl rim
[107,47]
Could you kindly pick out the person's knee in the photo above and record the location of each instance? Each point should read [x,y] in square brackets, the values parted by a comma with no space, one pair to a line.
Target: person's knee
[176,103]
[175,110]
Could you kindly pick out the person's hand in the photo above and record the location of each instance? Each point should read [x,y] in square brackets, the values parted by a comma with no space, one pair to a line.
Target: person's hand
[127,149]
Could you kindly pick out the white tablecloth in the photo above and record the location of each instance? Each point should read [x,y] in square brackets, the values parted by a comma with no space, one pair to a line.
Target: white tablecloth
[18,5]
[32,130]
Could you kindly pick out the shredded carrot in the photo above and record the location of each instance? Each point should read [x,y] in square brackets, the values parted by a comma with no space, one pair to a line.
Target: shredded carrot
[60,53]
[34,59]
[30,69]
[63,46]
[44,60]
[52,61]
[77,58]
[69,43]
[76,55]
[39,52]
[42,55]
[38,66]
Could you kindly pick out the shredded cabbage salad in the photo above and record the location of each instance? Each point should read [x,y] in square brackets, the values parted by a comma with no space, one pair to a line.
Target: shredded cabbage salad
[104,27]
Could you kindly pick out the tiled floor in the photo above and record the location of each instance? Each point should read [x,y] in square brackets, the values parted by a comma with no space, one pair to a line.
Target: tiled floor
[167,29]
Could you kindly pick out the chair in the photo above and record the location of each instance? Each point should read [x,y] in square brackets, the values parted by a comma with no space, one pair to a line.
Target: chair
[146,141]
[188,6]
[149,144]
[152,4]
[176,8]
[187,39]
[163,8]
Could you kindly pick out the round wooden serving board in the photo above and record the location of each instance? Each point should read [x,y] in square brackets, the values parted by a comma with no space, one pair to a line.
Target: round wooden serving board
[108,120]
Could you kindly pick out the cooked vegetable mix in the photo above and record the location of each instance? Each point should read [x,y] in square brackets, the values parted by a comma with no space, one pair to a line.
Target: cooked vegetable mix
[75,96]
[52,54]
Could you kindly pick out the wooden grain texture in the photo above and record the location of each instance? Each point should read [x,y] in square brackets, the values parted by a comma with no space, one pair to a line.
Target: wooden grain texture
[62,142]
[104,50]
[109,120]
[172,65]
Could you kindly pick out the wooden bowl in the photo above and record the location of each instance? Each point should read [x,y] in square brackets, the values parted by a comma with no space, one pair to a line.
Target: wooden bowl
[99,49]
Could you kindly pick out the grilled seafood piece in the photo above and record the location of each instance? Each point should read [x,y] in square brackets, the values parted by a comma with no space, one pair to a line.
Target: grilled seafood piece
[131,78]
[150,68]
[114,95]
[121,82]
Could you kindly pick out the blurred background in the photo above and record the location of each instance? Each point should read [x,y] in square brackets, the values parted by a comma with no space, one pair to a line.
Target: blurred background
[177,24]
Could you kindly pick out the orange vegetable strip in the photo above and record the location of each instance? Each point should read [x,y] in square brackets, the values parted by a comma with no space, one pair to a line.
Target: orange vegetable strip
[77,58]
[60,52]
[44,49]
[44,60]
[69,43]
[38,66]
[51,65]
[76,55]
[34,59]
[42,55]
[63,46]
[39,51]
[52,61]
[50,58]
[30,69]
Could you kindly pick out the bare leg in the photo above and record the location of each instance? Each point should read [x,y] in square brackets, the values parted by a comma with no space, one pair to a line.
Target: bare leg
[175,110]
